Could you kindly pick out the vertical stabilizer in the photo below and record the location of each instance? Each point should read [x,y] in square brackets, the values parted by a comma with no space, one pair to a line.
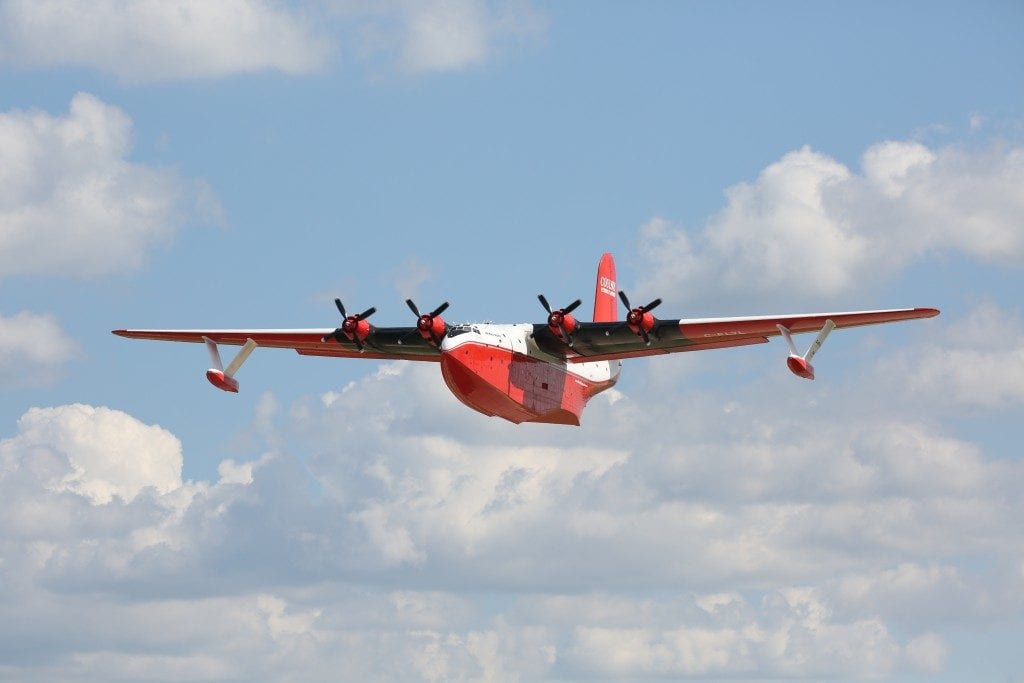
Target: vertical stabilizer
[606,305]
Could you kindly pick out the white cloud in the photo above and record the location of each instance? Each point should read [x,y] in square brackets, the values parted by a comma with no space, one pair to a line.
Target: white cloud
[810,228]
[927,653]
[70,201]
[107,452]
[445,35]
[975,361]
[409,277]
[437,35]
[33,347]
[153,40]
[231,472]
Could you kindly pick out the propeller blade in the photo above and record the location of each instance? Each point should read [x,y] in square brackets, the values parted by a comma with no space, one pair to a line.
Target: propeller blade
[367,313]
[341,308]
[433,314]
[572,307]
[565,335]
[651,306]
[625,299]
[544,303]
[643,333]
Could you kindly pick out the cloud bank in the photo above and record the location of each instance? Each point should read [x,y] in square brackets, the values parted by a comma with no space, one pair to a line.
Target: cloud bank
[400,536]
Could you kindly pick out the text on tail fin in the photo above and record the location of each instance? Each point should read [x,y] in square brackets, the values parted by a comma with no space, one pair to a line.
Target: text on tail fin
[606,306]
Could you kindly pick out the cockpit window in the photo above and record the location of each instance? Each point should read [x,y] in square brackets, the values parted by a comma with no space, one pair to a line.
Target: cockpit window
[456,330]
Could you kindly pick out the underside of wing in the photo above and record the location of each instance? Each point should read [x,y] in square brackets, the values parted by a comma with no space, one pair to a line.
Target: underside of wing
[399,343]
[617,340]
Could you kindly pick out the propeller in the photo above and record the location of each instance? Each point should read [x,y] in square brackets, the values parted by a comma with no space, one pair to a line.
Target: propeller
[561,320]
[431,326]
[638,319]
[353,327]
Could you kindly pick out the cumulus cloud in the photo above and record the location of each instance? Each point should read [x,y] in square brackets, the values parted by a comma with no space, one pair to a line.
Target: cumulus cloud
[33,348]
[150,40]
[70,201]
[808,226]
[107,452]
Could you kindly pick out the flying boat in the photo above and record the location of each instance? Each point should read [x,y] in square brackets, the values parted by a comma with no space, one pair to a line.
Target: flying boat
[532,372]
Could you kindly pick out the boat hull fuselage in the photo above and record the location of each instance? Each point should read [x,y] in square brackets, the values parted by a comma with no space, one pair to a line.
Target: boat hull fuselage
[496,370]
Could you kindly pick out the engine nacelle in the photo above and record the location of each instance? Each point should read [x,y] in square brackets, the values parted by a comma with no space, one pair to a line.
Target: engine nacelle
[560,320]
[221,381]
[356,329]
[431,327]
[800,367]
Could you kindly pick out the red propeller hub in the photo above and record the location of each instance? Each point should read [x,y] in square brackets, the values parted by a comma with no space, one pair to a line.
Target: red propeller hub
[355,328]
[431,326]
[560,319]
[640,319]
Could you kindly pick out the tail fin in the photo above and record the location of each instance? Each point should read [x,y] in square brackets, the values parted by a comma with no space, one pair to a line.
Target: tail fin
[606,306]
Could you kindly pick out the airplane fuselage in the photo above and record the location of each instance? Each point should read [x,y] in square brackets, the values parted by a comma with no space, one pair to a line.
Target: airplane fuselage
[499,370]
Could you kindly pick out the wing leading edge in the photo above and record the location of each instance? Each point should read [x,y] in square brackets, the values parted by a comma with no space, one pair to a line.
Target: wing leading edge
[614,340]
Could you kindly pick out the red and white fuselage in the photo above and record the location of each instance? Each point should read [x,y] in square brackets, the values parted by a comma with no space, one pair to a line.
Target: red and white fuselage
[499,370]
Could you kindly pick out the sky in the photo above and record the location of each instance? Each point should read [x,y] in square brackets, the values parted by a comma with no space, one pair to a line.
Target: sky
[238,164]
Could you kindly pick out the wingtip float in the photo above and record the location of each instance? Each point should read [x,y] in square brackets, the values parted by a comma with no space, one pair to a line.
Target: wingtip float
[533,372]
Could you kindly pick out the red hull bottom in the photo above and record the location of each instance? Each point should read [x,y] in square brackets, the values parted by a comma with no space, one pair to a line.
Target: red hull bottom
[518,388]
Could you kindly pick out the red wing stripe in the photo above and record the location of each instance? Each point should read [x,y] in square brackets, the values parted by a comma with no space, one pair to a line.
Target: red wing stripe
[654,350]
[766,326]
[305,342]
[288,339]
[370,355]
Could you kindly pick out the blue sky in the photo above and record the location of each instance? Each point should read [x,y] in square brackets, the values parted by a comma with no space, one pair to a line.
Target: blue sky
[241,163]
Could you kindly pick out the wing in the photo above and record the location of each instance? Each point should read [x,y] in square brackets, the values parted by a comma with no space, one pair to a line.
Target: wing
[614,340]
[404,343]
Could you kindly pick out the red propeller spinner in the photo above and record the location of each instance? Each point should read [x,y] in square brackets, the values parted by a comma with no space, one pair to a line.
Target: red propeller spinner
[561,321]
[431,326]
[640,320]
[354,328]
